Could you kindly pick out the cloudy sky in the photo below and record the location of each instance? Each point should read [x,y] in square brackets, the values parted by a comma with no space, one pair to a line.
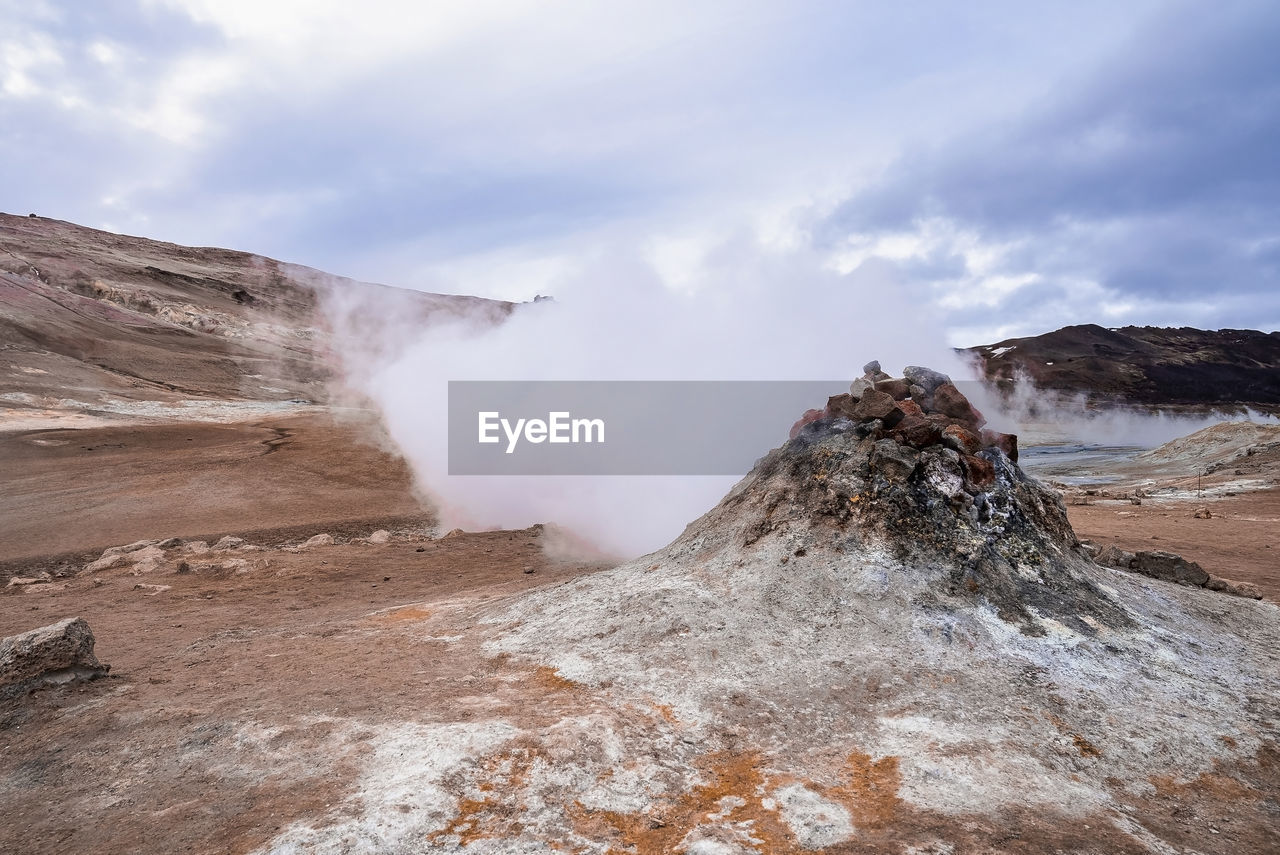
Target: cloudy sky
[1011,166]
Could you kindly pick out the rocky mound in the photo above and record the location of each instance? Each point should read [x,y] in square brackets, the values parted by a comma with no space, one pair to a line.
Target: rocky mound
[884,639]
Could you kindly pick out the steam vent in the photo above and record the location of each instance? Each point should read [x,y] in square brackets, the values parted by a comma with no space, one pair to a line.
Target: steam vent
[885,639]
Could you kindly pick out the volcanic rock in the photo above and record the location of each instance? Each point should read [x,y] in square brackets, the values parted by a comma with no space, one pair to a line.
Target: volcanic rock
[892,460]
[809,417]
[926,378]
[876,405]
[961,439]
[1006,442]
[979,472]
[950,401]
[898,389]
[917,432]
[59,652]
[1170,568]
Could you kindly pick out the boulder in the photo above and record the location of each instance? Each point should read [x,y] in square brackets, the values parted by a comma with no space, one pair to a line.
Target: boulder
[872,367]
[859,387]
[196,547]
[1169,567]
[1006,442]
[59,652]
[1114,556]
[229,542]
[380,536]
[893,461]
[319,540]
[961,439]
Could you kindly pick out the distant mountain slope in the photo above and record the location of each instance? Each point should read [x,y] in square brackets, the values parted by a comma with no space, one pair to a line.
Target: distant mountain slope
[86,314]
[1144,365]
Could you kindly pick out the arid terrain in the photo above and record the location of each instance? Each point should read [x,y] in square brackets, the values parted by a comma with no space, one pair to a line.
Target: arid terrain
[885,639]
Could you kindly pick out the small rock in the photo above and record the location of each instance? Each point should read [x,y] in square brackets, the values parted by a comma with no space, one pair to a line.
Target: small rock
[319,540]
[911,408]
[1093,549]
[23,581]
[229,542]
[809,417]
[1006,442]
[183,567]
[872,367]
[170,543]
[837,406]
[106,562]
[877,405]
[528,570]
[917,432]
[897,389]
[151,589]
[380,536]
[1203,514]
[59,652]
[961,439]
[196,547]
[859,387]
[926,378]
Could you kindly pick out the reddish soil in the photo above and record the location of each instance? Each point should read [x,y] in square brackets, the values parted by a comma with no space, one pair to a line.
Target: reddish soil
[80,491]
[227,692]
[1240,542]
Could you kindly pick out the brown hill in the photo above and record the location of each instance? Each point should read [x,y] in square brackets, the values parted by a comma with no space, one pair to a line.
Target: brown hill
[87,316]
[1142,365]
